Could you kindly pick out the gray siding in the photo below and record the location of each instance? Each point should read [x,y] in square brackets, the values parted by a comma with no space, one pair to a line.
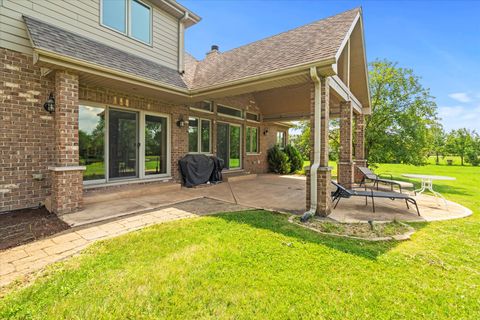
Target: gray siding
[83,17]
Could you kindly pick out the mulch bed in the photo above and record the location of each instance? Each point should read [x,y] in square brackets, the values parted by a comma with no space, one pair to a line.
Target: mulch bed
[27,225]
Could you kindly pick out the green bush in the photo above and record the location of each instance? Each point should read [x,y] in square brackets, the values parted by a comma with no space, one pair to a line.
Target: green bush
[278,161]
[472,158]
[295,158]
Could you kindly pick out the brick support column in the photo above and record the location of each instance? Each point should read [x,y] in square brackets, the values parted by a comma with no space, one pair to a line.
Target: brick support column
[359,146]
[67,178]
[323,172]
[345,163]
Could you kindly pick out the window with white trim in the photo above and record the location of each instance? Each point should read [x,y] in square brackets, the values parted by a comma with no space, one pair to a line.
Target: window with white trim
[281,140]
[130,17]
[252,140]
[206,106]
[229,111]
[253,116]
[199,135]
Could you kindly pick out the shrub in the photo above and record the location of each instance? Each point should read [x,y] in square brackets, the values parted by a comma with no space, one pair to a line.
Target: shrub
[472,158]
[295,158]
[278,160]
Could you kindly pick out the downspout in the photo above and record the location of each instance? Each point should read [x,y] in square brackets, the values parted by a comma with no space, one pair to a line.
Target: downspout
[316,145]
[181,42]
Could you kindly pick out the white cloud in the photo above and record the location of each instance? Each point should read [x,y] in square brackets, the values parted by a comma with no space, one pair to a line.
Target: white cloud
[456,117]
[461,97]
[447,112]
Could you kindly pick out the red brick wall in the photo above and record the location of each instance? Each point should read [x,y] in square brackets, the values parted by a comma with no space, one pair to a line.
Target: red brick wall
[28,144]
[26,132]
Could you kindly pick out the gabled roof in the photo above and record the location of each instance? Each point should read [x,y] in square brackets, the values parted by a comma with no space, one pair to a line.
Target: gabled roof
[53,39]
[315,42]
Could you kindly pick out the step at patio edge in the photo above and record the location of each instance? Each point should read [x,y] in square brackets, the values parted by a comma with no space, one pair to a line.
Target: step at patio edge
[102,194]
[240,177]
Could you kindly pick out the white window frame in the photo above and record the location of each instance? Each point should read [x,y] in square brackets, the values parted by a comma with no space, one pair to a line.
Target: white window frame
[227,115]
[258,140]
[250,120]
[128,21]
[203,110]
[231,124]
[284,142]
[141,156]
[141,176]
[199,137]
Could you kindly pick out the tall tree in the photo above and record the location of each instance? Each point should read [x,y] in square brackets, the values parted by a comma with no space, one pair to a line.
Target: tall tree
[403,111]
[437,138]
[459,143]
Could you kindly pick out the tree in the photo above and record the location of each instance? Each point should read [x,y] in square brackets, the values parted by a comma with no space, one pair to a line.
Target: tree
[437,137]
[302,140]
[460,143]
[403,112]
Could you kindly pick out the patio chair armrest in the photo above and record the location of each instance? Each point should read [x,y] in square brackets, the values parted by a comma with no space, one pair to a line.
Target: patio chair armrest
[390,176]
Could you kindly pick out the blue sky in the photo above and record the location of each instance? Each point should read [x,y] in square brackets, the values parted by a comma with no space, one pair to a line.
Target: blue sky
[439,40]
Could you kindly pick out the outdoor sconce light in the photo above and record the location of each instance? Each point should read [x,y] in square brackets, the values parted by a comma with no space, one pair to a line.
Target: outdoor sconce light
[181,123]
[49,105]
[265,132]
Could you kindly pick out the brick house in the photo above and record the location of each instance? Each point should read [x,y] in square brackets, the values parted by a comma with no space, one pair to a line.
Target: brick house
[127,102]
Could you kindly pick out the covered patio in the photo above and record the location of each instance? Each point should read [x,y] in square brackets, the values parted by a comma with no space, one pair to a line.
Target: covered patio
[282,193]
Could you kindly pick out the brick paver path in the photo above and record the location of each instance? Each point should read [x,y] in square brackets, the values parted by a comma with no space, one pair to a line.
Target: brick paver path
[22,260]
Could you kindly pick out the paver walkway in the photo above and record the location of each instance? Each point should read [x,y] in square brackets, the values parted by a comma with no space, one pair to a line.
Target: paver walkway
[22,260]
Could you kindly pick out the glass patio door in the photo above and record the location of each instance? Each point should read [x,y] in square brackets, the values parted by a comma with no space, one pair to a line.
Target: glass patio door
[155,155]
[123,144]
[229,145]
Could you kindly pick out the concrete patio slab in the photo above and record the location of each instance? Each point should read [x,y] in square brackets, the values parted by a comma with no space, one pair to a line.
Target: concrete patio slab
[284,193]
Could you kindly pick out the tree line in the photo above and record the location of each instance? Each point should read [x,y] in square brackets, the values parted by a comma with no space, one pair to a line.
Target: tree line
[404,126]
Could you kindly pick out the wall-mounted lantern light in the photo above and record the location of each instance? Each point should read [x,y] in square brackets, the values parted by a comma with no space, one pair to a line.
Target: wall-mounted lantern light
[181,123]
[49,105]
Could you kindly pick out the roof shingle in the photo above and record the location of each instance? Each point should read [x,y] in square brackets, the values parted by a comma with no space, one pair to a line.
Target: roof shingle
[48,37]
[317,41]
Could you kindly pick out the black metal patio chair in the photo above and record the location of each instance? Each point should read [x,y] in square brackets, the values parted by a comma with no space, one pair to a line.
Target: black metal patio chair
[343,192]
[377,179]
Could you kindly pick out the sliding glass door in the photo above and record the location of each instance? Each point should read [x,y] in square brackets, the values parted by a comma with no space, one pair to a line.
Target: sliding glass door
[118,144]
[123,144]
[229,145]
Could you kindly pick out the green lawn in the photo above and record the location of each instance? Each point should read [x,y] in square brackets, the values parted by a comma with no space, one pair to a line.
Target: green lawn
[254,264]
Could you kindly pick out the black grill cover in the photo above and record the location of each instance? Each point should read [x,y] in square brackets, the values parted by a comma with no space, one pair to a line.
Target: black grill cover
[199,169]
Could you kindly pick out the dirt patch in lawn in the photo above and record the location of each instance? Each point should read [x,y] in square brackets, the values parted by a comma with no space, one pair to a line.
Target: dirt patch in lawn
[27,225]
[376,231]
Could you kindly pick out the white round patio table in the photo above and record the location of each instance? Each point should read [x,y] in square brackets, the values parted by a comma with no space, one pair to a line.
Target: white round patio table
[427,183]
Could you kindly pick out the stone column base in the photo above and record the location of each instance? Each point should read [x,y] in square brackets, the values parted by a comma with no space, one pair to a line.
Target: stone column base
[358,176]
[324,197]
[345,174]
[67,189]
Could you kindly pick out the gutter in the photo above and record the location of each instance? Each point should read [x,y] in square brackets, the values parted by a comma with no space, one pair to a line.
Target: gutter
[316,145]
[181,42]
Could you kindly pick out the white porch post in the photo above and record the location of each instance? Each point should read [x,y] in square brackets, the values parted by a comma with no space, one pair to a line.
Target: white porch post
[318,197]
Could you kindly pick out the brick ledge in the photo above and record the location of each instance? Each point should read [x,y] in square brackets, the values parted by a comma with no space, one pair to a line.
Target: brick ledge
[68,168]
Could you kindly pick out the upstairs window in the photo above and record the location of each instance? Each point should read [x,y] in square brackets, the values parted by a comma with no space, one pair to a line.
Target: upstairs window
[140,24]
[114,14]
[130,17]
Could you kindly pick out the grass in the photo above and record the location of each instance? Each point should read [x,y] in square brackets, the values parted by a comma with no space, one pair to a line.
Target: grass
[254,264]
[361,230]
[96,170]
